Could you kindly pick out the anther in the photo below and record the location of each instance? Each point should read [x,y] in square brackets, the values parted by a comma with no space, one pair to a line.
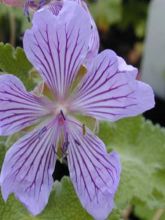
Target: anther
[65,145]
[62,114]
[84,129]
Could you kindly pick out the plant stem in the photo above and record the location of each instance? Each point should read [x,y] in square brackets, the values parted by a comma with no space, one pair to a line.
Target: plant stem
[158,214]
[12,27]
[126,213]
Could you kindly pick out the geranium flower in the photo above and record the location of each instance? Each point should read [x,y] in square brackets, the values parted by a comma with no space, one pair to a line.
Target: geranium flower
[57,46]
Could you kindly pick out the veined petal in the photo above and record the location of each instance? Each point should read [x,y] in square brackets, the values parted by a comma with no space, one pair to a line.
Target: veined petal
[55,6]
[28,167]
[18,108]
[94,42]
[57,45]
[95,173]
[110,90]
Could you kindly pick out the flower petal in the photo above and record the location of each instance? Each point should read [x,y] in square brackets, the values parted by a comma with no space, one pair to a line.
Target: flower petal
[55,6]
[110,90]
[95,173]
[57,45]
[28,167]
[94,42]
[18,108]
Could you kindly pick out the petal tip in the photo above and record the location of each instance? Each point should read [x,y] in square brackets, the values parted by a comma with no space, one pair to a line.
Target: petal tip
[146,96]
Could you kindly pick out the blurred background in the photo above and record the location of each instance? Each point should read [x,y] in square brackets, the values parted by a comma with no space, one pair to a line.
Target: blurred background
[134,29]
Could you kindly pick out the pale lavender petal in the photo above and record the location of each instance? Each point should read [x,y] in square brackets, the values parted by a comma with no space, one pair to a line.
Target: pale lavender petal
[28,167]
[95,173]
[18,108]
[94,42]
[57,45]
[110,90]
[78,1]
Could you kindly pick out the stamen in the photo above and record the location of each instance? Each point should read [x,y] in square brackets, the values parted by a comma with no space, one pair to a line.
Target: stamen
[84,129]
[62,114]
[65,145]
[65,148]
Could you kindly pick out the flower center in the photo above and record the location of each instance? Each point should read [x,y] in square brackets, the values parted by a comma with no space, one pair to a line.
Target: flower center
[61,109]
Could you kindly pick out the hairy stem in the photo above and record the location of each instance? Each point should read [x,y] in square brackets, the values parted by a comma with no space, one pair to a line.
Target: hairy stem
[126,213]
[158,214]
[12,27]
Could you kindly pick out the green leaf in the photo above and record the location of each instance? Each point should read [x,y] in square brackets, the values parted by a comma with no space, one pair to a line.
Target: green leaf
[143,212]
[14,61]
[142,149]
[63,205]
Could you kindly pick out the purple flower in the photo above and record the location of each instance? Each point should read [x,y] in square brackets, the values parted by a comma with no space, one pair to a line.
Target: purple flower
[57,45]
